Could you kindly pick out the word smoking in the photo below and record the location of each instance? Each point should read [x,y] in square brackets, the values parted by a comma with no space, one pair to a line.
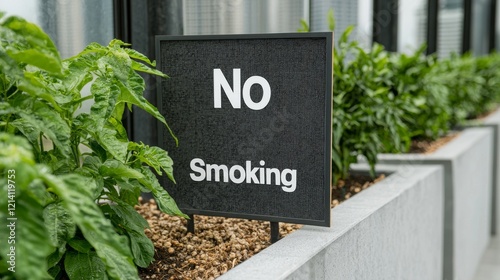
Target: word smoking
[238,174]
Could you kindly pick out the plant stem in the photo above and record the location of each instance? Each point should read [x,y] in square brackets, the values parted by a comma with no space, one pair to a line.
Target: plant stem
[88,97]
[41,143]
[7,123]
[75,150]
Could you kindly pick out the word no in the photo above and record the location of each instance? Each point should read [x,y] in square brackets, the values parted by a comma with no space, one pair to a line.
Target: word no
[234,94]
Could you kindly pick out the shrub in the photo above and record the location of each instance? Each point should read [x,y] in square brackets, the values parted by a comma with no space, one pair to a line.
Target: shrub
[418,86]
[488,68]
[460,76]
[367,116]
[76,175]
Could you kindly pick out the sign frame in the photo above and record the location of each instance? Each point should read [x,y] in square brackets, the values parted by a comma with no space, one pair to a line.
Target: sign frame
[327,126]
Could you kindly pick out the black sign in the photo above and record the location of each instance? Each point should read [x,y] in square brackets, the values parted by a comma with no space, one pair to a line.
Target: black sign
[253,117]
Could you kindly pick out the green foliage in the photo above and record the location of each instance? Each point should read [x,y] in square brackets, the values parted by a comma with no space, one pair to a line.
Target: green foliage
[474,83]
[77,175]
[367,116]
[331,20]
[422,95]
[460,76]
[304,26]
[383,100]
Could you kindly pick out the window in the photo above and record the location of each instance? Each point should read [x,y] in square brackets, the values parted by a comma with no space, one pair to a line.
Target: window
[72,24]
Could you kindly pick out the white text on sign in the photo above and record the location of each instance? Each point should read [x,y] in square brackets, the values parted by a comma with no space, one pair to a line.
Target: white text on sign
[234,94]
[238,174]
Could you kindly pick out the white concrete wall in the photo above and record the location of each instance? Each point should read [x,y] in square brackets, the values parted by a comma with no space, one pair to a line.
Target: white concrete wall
[392,230]
[494,121]
[468,164]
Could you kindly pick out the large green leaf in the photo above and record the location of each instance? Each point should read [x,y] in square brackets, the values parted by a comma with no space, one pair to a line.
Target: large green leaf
[58,223]
[31,84]
[31,132]
[129,191]
[41,52]
[134,224]
[116,63]
[79,244]
[9,66]
[157,158]
[139,56]
[79,72]
[14,150]
[110,139]
[142,248]
[37,58]
[132,92]
[49,123]
[129,218]
[144,68]
[165,202]
[105,95]
[119,170]
[98,231]
[31,243]
[84,266]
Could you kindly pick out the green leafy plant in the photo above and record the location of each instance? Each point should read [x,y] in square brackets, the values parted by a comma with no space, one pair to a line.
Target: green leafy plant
[460,75]
[383,100]
[77,176]
[418,84]
[367,116]
[368,119]
[488,68]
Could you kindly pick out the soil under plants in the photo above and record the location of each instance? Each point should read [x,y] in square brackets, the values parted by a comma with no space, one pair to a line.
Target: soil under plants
[218,244]
[429,146]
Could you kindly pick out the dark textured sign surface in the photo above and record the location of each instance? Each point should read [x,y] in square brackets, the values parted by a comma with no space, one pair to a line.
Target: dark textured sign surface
[253,117]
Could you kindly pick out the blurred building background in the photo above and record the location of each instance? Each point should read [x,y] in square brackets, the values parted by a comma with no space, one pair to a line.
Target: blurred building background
[450,27]
[240,17]
[73,24]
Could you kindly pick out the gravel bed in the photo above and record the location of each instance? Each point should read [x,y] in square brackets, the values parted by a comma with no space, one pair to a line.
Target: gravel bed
[218,244]
[428,146]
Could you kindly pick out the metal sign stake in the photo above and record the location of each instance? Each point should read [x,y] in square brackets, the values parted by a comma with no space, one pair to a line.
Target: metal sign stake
[190,223]
[275,232]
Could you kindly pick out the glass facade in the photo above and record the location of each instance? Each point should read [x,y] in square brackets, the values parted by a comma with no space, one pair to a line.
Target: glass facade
[497,27]
[274,16]
[28,9]
[480,26]
[243,16]
[450,27]
[412,22]
[72,24]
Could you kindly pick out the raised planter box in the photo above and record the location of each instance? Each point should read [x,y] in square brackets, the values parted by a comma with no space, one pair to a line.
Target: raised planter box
[468,178]
[493,121]
[392,230]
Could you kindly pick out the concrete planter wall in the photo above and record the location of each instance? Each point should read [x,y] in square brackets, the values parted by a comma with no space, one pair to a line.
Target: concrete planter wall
[468,178]
[493,121]
[392,230]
